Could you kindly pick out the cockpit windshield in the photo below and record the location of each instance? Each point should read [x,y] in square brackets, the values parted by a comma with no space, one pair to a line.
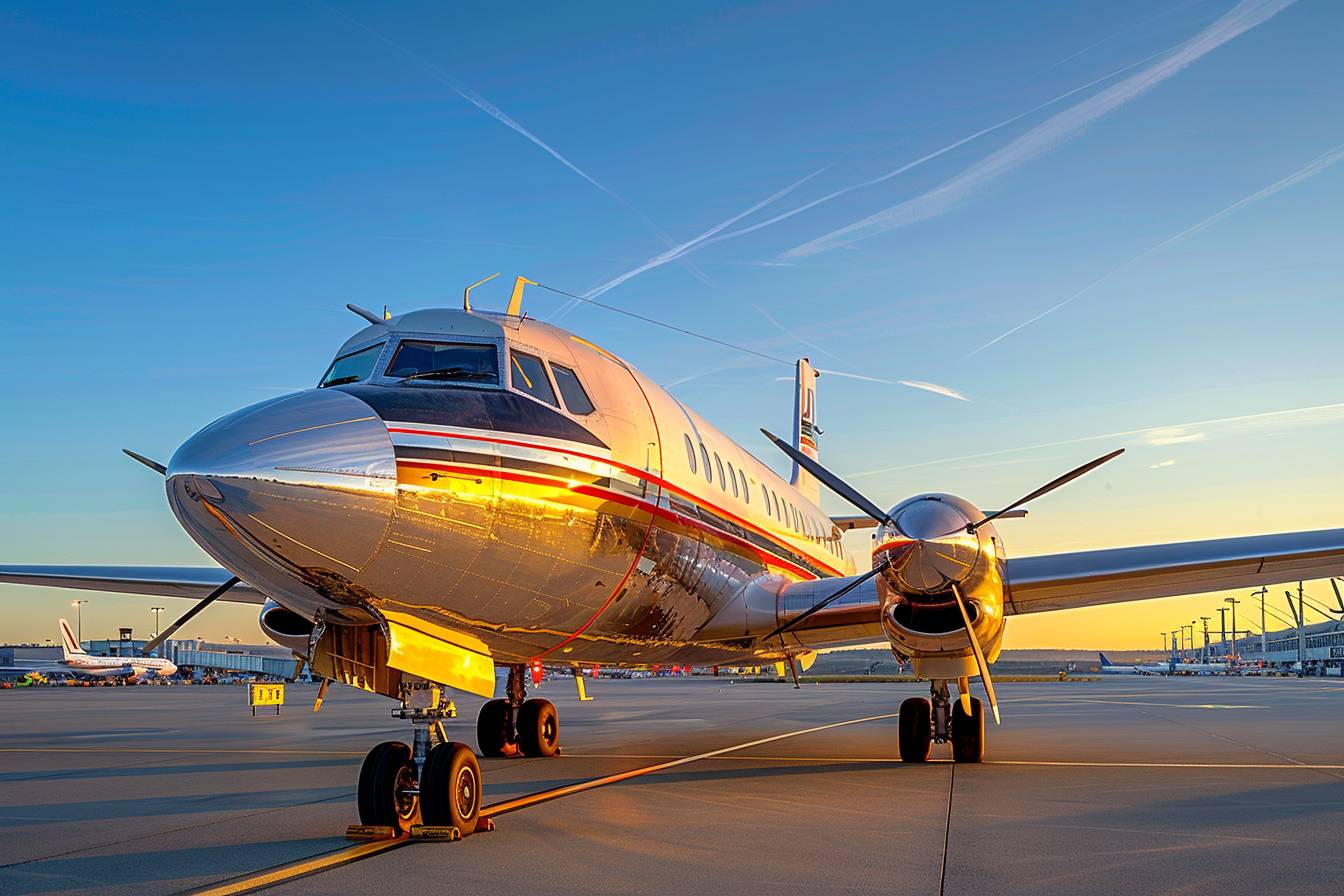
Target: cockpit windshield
[469,362]
[353,367]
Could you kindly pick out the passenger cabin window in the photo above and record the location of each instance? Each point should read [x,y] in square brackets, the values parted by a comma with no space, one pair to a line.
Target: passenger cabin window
[723,483]
[704,455]
[352,367]
[463,362]
[529,376]
[746,493]
[571,390]
[690,451]
[732,476]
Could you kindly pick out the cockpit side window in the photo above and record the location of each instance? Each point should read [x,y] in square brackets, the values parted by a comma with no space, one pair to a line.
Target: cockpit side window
[527,374]
[463,362]
[352,367]
[571,390]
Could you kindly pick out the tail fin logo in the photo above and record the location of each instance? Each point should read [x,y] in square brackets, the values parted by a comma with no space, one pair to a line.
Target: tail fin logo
[1104,660]
[69,642]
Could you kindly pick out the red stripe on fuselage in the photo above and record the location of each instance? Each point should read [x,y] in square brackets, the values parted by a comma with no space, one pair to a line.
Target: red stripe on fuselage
[593,491]
[633,471]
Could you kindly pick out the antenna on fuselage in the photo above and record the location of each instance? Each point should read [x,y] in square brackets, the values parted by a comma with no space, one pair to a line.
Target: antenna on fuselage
[366,314]
[516,300]
[466,293]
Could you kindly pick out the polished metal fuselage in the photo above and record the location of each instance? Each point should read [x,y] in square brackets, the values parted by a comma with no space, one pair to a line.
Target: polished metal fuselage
[635,534]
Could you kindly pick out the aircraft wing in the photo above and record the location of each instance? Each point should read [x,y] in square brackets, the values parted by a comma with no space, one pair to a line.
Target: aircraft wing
[191,582]
[1091,578]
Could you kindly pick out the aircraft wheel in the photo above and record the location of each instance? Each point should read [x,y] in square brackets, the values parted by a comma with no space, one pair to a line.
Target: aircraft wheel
[388,770]
[450,787]
[492,728]
[968,732]
[916,729]
[538,728]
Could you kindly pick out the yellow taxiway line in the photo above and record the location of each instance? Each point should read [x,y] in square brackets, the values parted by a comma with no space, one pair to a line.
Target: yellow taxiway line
[307,867]
[288,873]
[556,793]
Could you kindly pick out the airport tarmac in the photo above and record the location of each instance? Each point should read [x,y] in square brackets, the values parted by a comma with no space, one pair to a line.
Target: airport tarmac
[1124,785]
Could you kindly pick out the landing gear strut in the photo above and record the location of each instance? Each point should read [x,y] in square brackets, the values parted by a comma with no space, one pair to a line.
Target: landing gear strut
[515,724]
[434,781]
[939,719]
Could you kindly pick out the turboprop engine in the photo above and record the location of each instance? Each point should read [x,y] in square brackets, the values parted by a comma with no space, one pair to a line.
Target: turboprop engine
[929,549]
[939,569]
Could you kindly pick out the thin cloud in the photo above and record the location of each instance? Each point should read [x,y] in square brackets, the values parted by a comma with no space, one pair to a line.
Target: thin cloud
[1304,416]
[489,108]
[1057,129]
[710,239]
[1315,167]
[677,251]
[945,391]
[1162,465]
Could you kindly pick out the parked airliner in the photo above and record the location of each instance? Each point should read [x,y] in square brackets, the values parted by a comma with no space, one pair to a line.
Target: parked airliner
[464,490]
[75,660]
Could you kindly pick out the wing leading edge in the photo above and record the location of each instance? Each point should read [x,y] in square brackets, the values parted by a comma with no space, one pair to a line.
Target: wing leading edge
[191,582]
[1092,578]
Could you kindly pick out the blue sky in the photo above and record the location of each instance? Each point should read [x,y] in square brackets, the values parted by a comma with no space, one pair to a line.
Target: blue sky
[191,195]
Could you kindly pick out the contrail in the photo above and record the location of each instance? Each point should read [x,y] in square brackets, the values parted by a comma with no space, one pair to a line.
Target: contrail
[1046,136]
[709,239]
[503,118]
[1319,164]
[677,251]
[936,389]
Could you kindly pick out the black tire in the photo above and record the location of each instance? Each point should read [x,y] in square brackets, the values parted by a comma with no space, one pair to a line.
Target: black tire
[538,728]
[450,787]
[968,732]
[386,770]
[916,729]
[493,732]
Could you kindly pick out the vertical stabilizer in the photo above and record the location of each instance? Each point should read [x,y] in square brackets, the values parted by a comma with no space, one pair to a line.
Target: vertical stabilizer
[69,643]
[805,428]
[1104,661]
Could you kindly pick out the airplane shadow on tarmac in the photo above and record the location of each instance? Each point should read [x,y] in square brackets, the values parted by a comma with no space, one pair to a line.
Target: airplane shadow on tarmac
[173,768]
[193,866]
[150,807]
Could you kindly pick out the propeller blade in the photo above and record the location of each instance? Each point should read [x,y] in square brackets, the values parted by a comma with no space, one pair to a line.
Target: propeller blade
[979,654]
[829,479]
[152,464]
[825,602]
[1050,486]
[189,615]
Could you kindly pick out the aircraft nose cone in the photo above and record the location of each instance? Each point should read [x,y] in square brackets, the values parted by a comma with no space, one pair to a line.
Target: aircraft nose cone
[300,486]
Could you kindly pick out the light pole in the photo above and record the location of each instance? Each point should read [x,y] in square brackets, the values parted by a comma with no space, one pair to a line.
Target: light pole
[1233,601]
[1206,637]
[79,619]
[156,611]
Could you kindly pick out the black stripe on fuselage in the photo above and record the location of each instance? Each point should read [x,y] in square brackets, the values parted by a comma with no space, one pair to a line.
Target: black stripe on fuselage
[496,410]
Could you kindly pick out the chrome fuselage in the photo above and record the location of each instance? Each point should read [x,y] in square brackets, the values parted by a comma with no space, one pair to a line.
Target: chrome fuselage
[635,533]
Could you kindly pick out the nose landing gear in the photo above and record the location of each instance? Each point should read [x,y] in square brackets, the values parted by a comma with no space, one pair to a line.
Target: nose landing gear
[515,724]
[939,719]
[434,782]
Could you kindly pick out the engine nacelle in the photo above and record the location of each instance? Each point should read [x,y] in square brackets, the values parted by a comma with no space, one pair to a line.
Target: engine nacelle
[930,548]
[284,626]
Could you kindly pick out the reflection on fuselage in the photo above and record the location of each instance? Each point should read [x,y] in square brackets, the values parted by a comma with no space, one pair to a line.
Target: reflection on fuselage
[582,536]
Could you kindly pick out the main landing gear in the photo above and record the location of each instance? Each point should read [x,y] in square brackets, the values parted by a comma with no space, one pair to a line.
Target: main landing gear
[516,725]
[434,782]
[939,719]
